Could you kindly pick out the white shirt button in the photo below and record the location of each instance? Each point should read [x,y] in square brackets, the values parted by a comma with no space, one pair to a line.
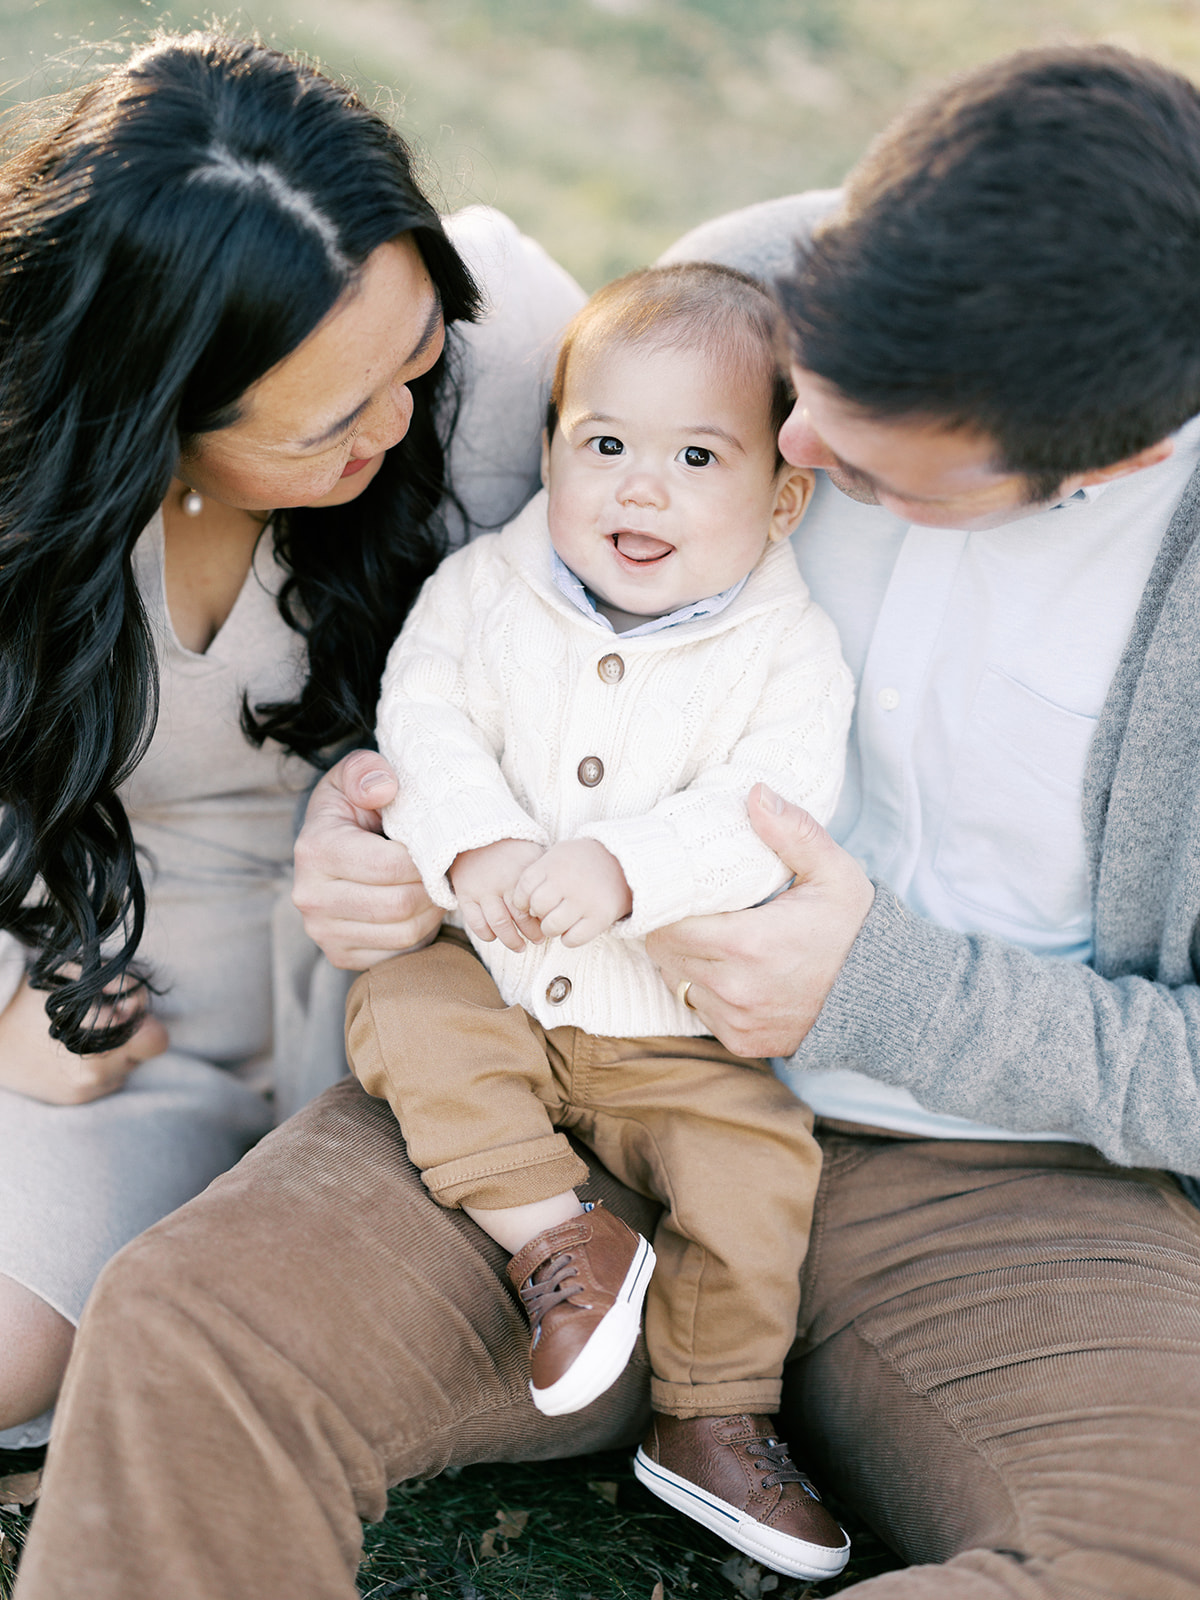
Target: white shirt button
[888,699]
[557,990]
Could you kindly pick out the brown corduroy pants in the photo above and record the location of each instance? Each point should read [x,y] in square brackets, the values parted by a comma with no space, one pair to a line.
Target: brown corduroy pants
[479,1088]
[998,1365]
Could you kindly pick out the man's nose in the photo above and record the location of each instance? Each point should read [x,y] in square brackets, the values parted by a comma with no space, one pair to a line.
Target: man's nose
[801,444]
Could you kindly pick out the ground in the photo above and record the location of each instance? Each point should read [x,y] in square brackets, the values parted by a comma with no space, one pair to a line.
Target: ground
[570,1530]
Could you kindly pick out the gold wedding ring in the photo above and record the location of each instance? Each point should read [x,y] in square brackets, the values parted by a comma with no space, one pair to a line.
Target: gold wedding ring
[681,990]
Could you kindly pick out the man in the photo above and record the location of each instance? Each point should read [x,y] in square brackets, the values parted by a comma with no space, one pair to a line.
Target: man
[998,340]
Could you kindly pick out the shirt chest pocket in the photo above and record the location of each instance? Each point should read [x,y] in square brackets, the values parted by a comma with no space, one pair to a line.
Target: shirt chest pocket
[1011,841]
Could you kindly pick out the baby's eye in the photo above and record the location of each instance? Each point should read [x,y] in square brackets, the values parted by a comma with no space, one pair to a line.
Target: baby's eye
[695,455]
[606,445]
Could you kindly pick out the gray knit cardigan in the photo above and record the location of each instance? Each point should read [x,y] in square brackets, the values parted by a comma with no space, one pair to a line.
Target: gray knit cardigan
[1108,1052]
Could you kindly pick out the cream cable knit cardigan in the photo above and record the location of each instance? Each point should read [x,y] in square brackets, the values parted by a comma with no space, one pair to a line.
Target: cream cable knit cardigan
[510,714]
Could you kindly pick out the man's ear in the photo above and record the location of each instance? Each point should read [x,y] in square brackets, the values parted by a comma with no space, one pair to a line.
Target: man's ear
[1149,457]
[545,459]
[793,491]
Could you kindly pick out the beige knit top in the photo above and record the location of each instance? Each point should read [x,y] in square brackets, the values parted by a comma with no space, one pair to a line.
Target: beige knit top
[215,817]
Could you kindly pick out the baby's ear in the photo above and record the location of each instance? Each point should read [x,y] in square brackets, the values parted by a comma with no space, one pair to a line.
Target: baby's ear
[793,491]
[545,459]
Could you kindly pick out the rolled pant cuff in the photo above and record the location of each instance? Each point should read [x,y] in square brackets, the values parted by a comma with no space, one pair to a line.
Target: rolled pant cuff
[514,1175]
[716,1399]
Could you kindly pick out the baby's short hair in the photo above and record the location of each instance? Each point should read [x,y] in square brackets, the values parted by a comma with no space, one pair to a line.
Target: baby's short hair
[692,305]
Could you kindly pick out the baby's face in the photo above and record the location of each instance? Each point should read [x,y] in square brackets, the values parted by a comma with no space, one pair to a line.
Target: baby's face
[662,476]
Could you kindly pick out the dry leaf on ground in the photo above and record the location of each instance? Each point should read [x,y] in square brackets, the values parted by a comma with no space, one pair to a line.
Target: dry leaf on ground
[658,1593]
[606,1490]
[509,1525]
[748,1578]
[20,1488]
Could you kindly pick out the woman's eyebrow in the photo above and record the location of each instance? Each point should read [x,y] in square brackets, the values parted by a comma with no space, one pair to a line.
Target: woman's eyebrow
[335,428]
[432,323]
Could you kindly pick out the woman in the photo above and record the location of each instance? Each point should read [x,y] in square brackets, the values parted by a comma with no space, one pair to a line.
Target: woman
[250,388]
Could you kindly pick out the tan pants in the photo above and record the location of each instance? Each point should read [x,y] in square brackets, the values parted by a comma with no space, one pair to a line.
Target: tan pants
[998,1366]
[479,1087]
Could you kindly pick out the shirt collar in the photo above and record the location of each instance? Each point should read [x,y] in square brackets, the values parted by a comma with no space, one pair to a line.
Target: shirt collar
[1187,440]
[581,598]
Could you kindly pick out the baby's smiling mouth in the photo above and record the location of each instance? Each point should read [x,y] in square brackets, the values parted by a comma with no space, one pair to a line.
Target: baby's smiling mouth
[643,548]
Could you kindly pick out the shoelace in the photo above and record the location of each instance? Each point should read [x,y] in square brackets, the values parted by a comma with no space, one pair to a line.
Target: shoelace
[539,1298]
[779,1464]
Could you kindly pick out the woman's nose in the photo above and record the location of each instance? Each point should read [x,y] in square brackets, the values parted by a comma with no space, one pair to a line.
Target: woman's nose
[385,422]
[801,444]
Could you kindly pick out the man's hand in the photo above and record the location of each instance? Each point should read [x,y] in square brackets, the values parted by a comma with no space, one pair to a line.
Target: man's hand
[484,879]
[760,977]
[34,1064]
[359,893]
[576,890]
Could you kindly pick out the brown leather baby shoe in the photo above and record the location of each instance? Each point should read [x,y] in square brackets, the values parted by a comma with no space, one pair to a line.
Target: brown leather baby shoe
[582,1284]
[734,1474]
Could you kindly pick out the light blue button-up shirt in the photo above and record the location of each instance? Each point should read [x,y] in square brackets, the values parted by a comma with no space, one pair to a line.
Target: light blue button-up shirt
[580,596]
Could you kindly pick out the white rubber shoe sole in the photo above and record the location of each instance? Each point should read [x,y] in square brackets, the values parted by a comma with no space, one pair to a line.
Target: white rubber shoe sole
[606,1354]
[782,1552]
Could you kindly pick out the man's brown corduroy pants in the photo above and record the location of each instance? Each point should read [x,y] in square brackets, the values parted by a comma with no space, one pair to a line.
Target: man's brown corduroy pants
[998,1365]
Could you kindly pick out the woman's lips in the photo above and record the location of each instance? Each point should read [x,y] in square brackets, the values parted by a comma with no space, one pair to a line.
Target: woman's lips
[640,549]
[356,465]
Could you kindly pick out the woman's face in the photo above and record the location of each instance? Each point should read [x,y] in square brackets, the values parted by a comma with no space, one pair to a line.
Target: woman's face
[314,429]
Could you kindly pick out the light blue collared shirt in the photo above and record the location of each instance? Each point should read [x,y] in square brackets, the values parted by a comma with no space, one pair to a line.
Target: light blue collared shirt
[581,597]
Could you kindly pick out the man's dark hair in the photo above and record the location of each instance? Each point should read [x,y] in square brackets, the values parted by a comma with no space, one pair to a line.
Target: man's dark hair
[1020,254]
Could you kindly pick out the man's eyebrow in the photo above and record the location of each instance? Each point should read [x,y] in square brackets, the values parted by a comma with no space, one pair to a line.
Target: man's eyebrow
[432,323]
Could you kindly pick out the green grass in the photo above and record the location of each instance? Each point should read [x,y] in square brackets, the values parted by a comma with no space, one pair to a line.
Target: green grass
[608,127]
[582,1529]
[12,1537]
[563,1530]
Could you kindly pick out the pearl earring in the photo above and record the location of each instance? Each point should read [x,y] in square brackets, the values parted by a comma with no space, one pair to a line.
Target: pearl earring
[193,505]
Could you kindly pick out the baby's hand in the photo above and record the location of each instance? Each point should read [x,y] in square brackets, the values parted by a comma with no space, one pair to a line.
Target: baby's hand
[483,880]
[575,890]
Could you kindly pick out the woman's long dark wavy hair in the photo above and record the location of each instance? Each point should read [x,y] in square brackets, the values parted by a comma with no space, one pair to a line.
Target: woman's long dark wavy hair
[191,222]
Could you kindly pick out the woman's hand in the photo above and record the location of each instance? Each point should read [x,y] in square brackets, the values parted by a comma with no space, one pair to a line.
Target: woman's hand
[361,898]
[34,1064]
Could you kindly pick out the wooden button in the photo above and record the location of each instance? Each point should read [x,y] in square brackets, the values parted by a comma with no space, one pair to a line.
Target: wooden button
[590,771]
[557,990]
[611,669]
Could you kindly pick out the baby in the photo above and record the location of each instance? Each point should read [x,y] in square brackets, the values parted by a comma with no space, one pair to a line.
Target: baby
[577,709]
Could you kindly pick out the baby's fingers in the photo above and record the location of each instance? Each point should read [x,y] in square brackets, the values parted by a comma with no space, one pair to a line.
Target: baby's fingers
[562,921]
[527,885]
[477,923]
[527,923]
[545,897]
[500,920]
